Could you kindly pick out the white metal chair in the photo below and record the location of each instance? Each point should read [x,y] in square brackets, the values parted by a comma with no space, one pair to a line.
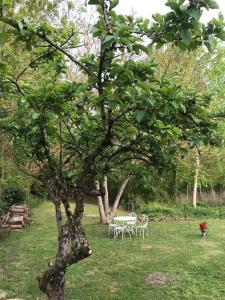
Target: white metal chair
[142,227]
[111,229]
[131,224]
[119,229]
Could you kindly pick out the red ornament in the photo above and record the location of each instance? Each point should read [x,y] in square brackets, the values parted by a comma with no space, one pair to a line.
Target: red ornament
[202,226]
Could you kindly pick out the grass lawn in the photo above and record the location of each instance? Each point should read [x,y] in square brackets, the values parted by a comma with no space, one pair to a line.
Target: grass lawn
[119,269]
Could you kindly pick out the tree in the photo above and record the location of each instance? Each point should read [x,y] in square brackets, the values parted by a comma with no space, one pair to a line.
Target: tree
[72,131]
[103,200]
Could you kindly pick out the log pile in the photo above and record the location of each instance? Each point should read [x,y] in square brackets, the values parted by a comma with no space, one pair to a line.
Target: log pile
[18,216]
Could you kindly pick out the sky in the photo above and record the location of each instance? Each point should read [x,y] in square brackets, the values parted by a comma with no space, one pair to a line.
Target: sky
[146,8]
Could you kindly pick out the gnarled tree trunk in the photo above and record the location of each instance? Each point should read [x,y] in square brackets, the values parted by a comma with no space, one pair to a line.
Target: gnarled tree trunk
[72,247]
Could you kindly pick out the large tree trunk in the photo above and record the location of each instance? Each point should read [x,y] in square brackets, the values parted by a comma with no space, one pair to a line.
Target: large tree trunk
[195,187]
[106,195]
[119,193]
[72,247]
[103,219]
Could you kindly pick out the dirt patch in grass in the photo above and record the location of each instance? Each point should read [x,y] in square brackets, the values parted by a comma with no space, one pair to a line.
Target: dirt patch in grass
[160,279]
[147,246]
[114,288]
[2,294]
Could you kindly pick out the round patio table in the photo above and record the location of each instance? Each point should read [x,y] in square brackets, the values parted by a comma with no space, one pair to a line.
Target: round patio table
[125,219]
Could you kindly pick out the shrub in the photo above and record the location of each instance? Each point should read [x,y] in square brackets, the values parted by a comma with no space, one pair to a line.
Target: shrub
[202,211]
[36,189]
[12,193]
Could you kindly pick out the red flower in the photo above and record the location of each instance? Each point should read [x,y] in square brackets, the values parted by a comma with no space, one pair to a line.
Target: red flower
[202,225]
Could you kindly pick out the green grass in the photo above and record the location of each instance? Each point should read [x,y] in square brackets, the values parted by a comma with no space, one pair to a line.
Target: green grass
[118,268]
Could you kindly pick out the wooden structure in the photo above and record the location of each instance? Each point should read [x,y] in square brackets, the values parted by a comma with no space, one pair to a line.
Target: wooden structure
[16,218]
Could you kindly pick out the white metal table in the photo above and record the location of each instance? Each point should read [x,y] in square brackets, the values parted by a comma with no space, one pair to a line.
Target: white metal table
[125,219]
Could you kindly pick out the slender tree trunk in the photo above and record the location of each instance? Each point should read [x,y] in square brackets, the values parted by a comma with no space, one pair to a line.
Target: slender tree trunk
[106,196]
[195,187]
[213,192]
[200,192]
[187,194]
[72,247]
[119,193]
[103,219]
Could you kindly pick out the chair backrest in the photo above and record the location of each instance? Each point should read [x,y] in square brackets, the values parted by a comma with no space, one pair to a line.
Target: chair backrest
[145,224]
[132,214]
[147,218]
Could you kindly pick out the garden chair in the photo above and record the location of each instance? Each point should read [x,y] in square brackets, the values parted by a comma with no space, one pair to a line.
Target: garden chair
[142,227]
[119,229]
[111,229]
[116,229]
[131,224]
[112,225]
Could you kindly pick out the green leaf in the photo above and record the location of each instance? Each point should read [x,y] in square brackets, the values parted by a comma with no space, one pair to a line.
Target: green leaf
[183,108]
[138,47]
[158,18]
[7,2]
[211,41]
[93,2]
[113,4]
[20,24]
[35,115]
[195,13]
[186,36]
[71,174]
[96,31]
[3,37]
[140,115]
[108,40]
[173,4]
[221,35]
[212,4]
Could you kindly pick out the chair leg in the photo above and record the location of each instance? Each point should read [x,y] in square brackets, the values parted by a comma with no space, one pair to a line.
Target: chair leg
[115,233]
[129,234]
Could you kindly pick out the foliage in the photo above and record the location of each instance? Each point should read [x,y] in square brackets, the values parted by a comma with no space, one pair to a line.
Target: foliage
[157,210]
[12,193]
[37,189]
